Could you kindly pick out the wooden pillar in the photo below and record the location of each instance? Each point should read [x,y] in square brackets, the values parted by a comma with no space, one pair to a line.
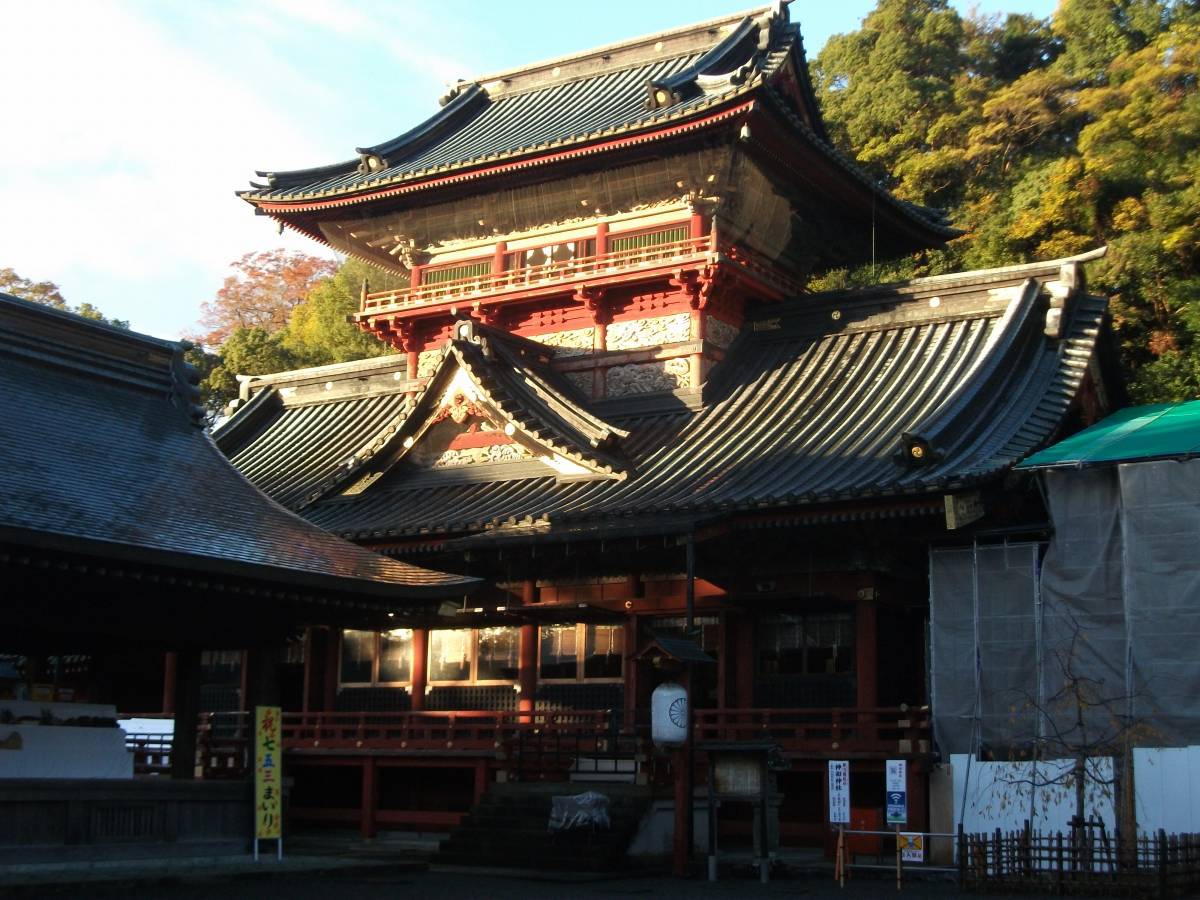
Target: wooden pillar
[481,779]
[370,798]
[722,659]
[498,258]
[866,652]
[412,363]
[744,654]
[187,711]
[170,661]
[917,786]
[420,668]
[601,238]
[527,672]
[631,670]
[333,650]
[600,373]
[260,678]
[314,669]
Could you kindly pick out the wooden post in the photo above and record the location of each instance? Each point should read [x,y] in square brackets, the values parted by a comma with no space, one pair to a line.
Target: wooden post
[420,668]
[839,861]
[712,819]
[370,798]
[333,654]
[527,672]
[682,801]
[866,659]
[962,857]
[187,712]
[1162,863]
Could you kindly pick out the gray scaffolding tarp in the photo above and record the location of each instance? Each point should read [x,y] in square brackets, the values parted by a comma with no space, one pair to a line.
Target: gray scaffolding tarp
[983,624]
[1108,632]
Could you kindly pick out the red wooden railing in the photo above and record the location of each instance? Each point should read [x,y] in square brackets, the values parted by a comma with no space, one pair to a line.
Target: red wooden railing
[560,272]
[898,730]
[534,743]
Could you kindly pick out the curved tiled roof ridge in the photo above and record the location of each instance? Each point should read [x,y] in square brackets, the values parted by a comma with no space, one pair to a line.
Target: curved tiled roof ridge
[810,408]
[591,104]
[101,455]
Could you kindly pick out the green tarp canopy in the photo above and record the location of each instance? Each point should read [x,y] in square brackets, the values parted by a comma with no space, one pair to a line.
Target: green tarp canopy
[1160,431]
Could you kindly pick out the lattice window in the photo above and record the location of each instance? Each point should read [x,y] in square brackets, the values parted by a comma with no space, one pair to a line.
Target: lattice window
[456,272]
[647,239]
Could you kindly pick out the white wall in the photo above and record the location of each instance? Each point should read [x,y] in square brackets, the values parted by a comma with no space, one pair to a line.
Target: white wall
[1000,795]
[1003,795]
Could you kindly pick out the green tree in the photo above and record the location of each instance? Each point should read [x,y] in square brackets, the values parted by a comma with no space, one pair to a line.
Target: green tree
[247,351]
[888,92]
[48,293]
[318,331]
[1047,139]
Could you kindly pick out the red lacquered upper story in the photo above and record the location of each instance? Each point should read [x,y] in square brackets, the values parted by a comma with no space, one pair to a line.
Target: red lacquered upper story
[671,170]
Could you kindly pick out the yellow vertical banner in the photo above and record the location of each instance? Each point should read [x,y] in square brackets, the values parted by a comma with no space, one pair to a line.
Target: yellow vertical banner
[268,773]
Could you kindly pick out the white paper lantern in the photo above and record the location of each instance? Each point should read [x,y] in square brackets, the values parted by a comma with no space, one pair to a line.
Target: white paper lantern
[669,715]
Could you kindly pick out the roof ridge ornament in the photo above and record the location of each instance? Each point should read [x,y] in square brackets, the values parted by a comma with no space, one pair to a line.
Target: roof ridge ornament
[731,57]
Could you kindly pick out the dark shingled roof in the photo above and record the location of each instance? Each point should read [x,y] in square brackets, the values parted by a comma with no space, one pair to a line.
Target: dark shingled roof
[695,72]
[819,401]
[102,453]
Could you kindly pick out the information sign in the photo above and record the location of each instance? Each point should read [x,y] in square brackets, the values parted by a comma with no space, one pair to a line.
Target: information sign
[897,792]
[912,847]
[839,792]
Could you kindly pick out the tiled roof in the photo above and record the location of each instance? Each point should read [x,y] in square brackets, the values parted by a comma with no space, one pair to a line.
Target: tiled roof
[820,401]
[102,452]
[611,92]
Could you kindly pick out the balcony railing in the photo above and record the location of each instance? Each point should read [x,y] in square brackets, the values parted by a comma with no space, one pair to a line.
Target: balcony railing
[901,729]
[550,274]
[533,744]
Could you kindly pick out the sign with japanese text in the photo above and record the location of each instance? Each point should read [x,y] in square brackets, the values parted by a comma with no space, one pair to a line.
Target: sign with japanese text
[912,847]
[839,792]
[268,773]
[897,791]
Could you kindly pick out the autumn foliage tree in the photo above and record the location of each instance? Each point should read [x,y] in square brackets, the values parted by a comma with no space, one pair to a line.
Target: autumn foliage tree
[261,293]
[281,311]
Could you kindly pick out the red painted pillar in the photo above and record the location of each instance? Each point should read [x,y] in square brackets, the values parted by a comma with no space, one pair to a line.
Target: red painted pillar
[420,667]
[370,797]
[527,672]
[498,258]
[866,662]
[631,670]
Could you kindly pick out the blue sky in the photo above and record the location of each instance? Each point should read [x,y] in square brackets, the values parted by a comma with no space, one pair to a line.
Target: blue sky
[129,125]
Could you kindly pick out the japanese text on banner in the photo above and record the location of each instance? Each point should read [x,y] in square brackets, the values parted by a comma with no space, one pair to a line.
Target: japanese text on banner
[268,773]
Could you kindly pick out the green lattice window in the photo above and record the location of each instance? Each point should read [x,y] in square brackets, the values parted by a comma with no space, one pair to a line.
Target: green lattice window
[622,243]
[456,272]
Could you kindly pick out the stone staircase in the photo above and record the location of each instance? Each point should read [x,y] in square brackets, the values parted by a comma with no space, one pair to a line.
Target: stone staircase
[508,829]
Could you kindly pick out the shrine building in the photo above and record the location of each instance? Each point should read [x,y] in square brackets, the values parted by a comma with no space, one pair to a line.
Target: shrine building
[614,397]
